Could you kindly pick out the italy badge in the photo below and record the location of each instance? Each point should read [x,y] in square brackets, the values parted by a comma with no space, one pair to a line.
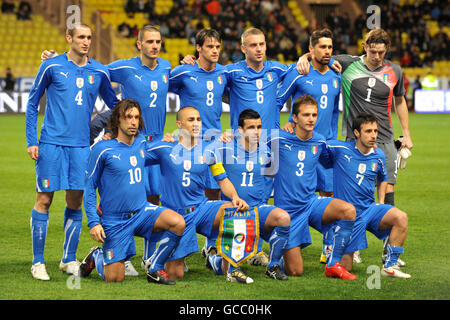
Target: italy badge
[238,235]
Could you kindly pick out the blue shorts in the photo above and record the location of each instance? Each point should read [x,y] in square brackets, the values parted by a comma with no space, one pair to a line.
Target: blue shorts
[308,215]
[119,243]
[324,179]
[153,182]
[368,220]
[201,221]
[263,211]
[61,167]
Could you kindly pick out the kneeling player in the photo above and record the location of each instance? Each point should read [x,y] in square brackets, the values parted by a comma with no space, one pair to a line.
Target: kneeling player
[246,162]
[116,169]
[357,164]
[297,158]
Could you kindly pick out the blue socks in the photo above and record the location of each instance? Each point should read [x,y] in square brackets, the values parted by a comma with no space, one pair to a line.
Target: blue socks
[166,247]
[39,225]
[277,242]
[149,248]
[72,230]
[392,255]
[342,233]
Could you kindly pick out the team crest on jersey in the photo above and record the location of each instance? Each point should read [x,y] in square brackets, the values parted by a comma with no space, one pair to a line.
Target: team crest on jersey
[91,79]
[201,159]
[261,160]
[249,166]
[374,166]
[164,78]
[142,153]
[270,76]
[314,149]
[133,161]
[301,155]
[80,82]
[259,83]
[187,165]
[324,88]
[371,82]
[362,168]
[386,77]
[220,79]
[209,85]
[154,85]
[335,84]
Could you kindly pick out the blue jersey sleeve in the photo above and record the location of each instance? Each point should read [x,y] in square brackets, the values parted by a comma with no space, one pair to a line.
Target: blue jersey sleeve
[107,92]
[41,82]
[287,89]
[214,159]
[176,79]
[382,172]
[94,172]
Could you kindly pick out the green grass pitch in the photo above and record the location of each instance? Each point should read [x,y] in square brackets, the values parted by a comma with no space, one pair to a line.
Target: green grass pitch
[423,191]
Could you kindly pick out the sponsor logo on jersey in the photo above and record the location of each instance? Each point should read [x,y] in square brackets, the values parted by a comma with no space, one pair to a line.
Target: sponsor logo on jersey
[259,83]
[80,82]
[301,155]
[133,161]
[362,168]
[209,85]
[187,165]
[249,165]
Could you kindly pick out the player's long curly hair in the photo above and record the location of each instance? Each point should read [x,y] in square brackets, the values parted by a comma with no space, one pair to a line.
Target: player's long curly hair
[119,111]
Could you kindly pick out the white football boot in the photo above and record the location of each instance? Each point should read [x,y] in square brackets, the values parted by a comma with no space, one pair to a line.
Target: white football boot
[70,267]
[39,272]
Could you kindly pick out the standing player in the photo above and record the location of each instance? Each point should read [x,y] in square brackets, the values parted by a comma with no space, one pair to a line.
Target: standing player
[184,169]
[72,82]
[374,85]
[116,169]
[357,164]
[245,163]
[324,85]
[295,186]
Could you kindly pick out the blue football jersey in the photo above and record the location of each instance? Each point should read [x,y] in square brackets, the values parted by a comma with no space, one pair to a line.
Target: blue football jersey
[71,94]
[246,170]
[184,172]
[147,86]
[296,166]
[355,173]
[203,90]
[117,170]
[255,90]
[324,88]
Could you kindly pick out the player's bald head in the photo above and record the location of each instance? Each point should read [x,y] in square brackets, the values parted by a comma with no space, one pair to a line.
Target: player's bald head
[184,112]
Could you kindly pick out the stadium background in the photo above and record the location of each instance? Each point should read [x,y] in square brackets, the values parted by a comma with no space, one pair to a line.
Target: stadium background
[419,30]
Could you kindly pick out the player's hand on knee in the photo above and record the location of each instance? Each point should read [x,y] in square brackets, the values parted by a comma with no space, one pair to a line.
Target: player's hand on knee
[33,152]
[47,54]
[97,233]
[189,59]
[289,127]
[240,204]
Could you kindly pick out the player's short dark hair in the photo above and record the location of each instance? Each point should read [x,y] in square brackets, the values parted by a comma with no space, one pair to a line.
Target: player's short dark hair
[204,34]
[316,35]
[378,36]
[147,28]
[120,110]
[247,114]
[71,31]
[303,100]
[362,119]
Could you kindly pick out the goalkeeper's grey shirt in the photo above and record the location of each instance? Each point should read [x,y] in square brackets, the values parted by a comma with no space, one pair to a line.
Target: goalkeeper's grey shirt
[371,92]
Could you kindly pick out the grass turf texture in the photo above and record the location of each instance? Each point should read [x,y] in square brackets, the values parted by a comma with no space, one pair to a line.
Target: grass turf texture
[422,191]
